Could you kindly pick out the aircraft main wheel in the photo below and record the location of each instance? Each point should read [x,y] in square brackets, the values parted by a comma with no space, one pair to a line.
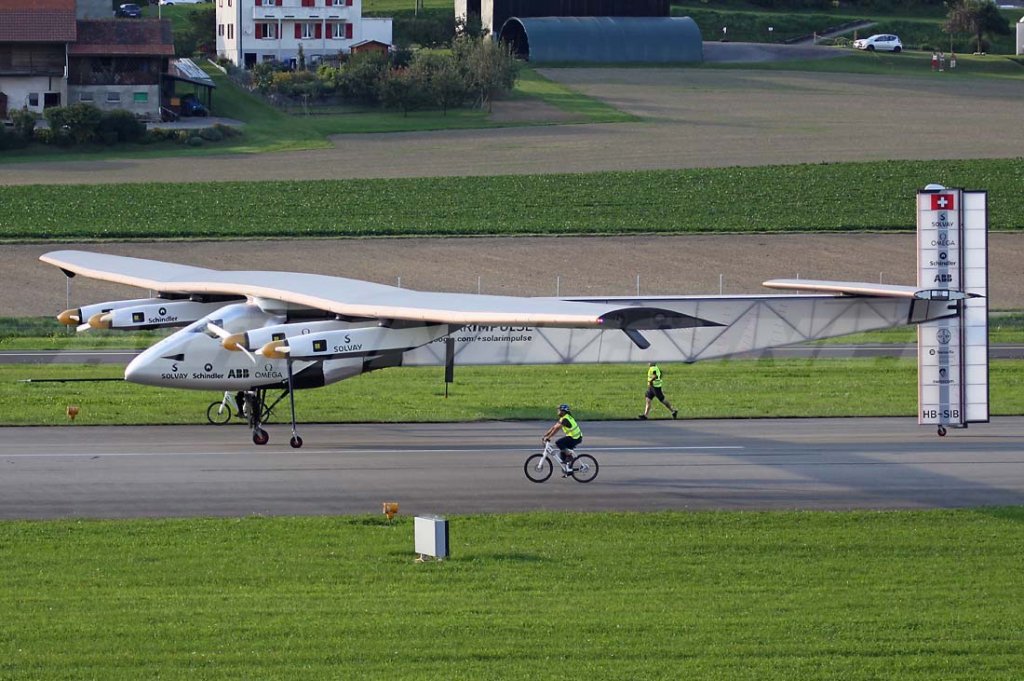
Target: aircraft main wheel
[295,442]
[260,437]
[942,431]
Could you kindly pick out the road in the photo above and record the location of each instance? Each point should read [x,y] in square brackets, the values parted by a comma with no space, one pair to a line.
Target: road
[163,471]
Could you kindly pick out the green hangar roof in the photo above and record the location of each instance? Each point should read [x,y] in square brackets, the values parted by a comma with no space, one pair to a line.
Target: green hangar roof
[604,39]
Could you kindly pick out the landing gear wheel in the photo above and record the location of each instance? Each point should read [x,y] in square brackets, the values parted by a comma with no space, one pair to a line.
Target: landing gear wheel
[584,468]
[942,431]
[295,442]
[538,468]
[218,414]
[260,437]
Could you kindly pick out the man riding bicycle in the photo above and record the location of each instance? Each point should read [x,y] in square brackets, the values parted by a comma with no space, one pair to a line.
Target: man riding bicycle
[572,438]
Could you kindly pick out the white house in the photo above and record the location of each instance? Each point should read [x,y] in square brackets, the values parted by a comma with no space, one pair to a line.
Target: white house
[253,31]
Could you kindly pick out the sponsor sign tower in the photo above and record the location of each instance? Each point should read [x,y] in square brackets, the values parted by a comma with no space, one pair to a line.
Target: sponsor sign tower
[952,234]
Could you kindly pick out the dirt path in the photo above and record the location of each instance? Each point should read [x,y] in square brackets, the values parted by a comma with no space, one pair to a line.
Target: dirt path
[526,266]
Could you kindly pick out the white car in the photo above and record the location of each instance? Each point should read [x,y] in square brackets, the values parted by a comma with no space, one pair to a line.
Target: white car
[881,41]
[172,3]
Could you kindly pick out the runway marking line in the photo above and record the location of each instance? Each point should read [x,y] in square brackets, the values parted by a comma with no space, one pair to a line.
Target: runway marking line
[350,451]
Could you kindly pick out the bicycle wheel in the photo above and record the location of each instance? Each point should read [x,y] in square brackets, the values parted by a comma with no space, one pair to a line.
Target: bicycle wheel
[538,468]
[218,413]
[584,468]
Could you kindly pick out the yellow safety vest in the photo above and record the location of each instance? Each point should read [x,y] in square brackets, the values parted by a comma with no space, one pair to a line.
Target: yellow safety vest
[654,376]
[571,428]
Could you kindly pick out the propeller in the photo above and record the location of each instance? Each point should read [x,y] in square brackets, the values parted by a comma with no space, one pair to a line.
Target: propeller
[224,334]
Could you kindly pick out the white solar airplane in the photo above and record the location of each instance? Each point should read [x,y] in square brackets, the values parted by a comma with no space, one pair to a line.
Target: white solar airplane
[259,331]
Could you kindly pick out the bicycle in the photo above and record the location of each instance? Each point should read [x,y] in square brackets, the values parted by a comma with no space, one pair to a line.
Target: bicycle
[219,413]
[539,467]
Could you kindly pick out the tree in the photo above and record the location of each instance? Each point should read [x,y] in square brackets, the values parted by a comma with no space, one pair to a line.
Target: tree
[402,89]
[976,17]
[359,78]
[440,78]
[489,67]
[199,33]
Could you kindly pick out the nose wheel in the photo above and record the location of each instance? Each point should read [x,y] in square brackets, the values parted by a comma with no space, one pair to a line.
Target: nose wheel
[260,437]
[942,431]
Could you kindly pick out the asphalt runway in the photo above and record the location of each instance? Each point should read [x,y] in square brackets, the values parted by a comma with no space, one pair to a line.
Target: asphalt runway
[869,463]
[829,351]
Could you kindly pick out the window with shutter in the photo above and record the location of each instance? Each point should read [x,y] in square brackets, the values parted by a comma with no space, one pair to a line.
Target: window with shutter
[319,32]
[348,30]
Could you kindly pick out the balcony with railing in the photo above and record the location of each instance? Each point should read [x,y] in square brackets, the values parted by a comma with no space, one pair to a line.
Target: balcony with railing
[31,60]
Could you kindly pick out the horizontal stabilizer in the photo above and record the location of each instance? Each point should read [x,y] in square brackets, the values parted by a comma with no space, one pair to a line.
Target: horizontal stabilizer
[859,288]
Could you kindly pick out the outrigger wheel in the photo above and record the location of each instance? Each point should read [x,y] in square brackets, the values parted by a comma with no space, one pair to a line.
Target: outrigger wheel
[295,442]
[942,431]
[261,437]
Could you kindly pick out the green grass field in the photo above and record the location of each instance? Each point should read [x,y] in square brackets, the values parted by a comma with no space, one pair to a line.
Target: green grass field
[798,595]
[836,197]
[714,389]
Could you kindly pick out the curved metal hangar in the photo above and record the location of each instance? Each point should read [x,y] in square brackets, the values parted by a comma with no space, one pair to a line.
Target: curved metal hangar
[604,39]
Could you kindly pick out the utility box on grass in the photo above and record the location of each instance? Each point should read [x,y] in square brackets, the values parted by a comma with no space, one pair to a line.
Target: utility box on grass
[432,536]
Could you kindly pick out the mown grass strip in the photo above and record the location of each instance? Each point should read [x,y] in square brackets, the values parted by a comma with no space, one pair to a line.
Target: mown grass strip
[832,197]
[789,595]
[723,389]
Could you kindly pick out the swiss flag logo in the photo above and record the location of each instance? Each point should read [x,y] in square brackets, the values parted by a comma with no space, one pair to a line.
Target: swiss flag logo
[942,202]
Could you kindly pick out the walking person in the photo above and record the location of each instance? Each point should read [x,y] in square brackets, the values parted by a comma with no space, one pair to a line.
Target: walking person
[654,385]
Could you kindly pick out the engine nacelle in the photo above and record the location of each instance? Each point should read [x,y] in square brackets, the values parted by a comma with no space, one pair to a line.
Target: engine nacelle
[253,339]
[353,342]
[81,315]
[154,315]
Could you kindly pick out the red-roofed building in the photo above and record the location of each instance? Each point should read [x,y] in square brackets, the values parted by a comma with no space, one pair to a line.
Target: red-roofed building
[117,64]
[34,35]
[60,52]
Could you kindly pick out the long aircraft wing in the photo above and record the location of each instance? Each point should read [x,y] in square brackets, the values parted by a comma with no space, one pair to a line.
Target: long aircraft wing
[355,298]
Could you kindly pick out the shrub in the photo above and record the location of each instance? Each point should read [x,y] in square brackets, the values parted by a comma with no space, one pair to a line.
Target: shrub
[80,122]
[24,123]
[120,126]
[295,84]
[195,141]
[10,139]
[226,130]
[211,134]
[43,135]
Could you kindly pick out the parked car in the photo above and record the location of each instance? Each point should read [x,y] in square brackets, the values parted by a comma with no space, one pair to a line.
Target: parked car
[172,3]
[130,10]
[881,41]
[191,106]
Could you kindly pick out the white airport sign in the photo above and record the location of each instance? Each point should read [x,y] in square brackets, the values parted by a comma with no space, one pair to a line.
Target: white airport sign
[952,261]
